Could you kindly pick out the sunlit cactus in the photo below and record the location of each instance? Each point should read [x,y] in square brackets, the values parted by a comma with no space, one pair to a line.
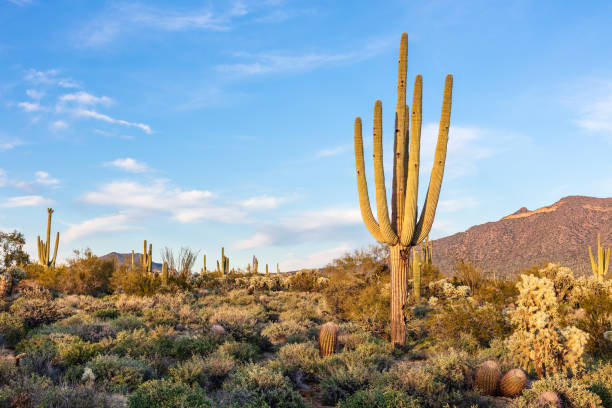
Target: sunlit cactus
[203,271]
[277,268]
[426,251]
[164,274]
[600,269]
[132,261]
[328,339]
[223,267]
[487,377]
[255,264]
[416,276]
[267,270]
[45,247]
[406,228]
[146,259]
[513,383]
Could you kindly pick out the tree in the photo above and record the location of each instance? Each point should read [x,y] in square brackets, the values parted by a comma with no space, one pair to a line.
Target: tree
[11,249]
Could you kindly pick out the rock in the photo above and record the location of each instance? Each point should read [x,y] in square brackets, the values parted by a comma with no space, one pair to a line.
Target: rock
[217,330]
[549,399]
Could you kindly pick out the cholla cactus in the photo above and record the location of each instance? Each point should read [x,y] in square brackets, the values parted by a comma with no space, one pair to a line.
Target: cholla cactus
[538,342]
[9,278]
[562,278]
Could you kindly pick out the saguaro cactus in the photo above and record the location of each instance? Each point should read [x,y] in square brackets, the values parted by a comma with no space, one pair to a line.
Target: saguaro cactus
[267,270]
[204,266]
[416,276]
[224,266]
[255,264]
[146,259]
[277,267]
[600,269]
[426,251]
[405,229]
[44,247]
[132,261]
[165,273]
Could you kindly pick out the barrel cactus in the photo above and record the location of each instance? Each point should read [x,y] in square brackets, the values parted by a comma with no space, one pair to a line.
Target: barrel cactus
[328,339]
[487,377]
[513,383]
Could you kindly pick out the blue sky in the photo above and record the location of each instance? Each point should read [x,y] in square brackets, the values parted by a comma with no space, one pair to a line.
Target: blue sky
[210,124]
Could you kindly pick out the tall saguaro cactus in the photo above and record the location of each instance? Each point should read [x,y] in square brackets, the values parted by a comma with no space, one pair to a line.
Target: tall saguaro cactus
[255,264]
[45,247]
[146,259]
[405,229]
[224,266]
[600,269]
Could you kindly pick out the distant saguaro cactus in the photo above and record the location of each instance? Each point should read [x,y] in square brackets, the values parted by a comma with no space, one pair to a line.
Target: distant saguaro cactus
[426,251]
[146,259]
[328,339]
[416,276]
[277,267]
[165,273]
[44,247]
[405,229]
[255,264]
[223,267]
[600,269]
[267,270]
[204,267]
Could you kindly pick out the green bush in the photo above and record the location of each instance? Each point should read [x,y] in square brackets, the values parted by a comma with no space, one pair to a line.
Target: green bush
[167,394]
[107,313]
[573,392]
[12,329]
[36,307]
[376,398]
[119,374]
[599,381]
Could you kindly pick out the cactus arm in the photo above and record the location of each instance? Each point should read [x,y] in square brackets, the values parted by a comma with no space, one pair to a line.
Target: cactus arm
[606,263]
[41,251]
[600,257]
[55,250]
[389,236]
[48,244]
[362,186]
[412,185]
[593,264]
[401,134]
[435,181]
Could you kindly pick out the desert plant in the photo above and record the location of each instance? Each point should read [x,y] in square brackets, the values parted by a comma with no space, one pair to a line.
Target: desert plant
[328,339]
[146,259]
[538,341]
[600,269]
[570,393]
[223,267]
[45,247]
[487,377]
[167,394]
[416,266]
[403,231]
[513,383]
[12,329]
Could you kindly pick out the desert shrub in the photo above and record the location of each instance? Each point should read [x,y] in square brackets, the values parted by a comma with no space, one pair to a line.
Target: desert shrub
[599,381]
[538,342]
[72,350]
[8,371]
[240,351]
[167,394]
[462,316]
[107,313]
[12,329]
[127,323]
[260,386]
[185,347]
[573,393]
[135,281]
[119,374]
[36,307]
[377,398]
[88,274]
[340,385]
[133,304]
[468,274]
[160,316]
[299,362]
[304,281]
[40,353]
[288,330]
[208,373]
[594,298]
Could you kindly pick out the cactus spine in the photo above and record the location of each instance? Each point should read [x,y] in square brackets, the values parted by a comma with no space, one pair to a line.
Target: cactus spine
[406,228]
[165,273]
[146,259]
[600,269]
[328,339]
[45,247]
[416,276]
[513,383]
[487,377]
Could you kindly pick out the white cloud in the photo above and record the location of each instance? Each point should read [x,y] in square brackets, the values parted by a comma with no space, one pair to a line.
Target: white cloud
[3,179]
[333,151]
[4,146]
[184,206]
[49,77]
[257,240]
[30,106]
[26,201]
[42,177]
[86,113]
[34,94]
[84,98]
[263,202]
[271,63]
[129,164]
[315,260]
[109,223]
[596,116]
[59,125]
[21,3]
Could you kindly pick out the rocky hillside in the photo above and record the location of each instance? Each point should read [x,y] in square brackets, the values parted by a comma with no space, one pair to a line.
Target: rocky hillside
[560,232]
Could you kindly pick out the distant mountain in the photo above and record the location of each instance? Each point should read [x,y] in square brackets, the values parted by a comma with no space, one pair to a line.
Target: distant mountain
[127,258]
[561,232]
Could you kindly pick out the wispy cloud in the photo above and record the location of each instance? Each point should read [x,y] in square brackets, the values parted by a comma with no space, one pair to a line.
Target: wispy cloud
[4,146]
[314,260]
[88,113]
[42,177]
[30,106]
[59,125]
[263,202]
[333,151]
[125,18]
[273,63]
[26,201]
[98,225]
[84,98]
[21,3]
[129,164]
[49,77]
[35,94]
[596,116]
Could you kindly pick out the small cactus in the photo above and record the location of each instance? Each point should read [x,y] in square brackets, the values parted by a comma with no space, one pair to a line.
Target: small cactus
[513,383]
[549,399]
[487,377]
[600,269]
[165,273]
[328,339]
[146,259]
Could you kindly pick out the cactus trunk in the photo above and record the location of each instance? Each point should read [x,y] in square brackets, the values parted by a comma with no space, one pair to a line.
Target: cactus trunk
[44,248]
[165,273]
[399,282]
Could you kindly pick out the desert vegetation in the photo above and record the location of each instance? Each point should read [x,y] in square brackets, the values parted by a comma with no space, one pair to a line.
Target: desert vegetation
[377,327]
